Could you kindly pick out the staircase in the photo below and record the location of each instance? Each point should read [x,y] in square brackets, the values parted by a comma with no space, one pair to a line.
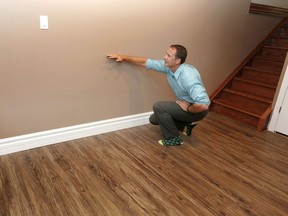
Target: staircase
[247,94]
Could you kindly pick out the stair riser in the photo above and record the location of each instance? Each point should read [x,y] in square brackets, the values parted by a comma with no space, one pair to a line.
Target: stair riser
[267,65]
[262,77]
[234,114]
[278,42]
[244,103]
[251,88]
[282,32]
[270,52]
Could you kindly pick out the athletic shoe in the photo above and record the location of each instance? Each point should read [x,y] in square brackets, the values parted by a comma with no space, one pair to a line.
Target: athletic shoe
[189,128]
[172,141]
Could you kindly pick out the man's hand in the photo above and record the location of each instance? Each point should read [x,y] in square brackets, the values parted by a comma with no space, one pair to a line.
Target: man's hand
[183,104]
[194,108]
[118,58]
[140,61]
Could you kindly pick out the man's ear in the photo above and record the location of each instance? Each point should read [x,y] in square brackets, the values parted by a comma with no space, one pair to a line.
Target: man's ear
[178,60]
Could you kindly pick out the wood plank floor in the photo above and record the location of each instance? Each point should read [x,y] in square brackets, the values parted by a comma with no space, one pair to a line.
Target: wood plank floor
[225,168]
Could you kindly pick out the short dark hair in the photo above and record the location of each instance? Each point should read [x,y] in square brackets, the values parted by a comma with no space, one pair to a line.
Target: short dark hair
[181,52]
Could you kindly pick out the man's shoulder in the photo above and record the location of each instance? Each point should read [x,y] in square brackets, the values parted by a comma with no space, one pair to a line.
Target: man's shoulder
[189,67]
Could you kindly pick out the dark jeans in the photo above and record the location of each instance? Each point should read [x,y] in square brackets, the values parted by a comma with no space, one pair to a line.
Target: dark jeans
[172,118]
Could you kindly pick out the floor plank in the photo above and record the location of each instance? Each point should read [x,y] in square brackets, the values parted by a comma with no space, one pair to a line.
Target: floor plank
[224,168]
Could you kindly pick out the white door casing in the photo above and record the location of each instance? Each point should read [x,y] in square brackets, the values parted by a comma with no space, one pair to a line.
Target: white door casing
[278,106]
[282,121]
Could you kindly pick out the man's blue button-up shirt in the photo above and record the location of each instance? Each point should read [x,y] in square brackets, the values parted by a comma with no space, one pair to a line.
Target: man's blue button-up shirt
[186,82]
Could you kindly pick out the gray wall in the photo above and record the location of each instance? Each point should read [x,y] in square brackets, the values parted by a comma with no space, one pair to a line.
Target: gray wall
[61,77]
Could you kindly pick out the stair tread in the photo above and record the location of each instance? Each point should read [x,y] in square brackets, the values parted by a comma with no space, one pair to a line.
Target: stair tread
[227,103]
[249,95]
[255,83]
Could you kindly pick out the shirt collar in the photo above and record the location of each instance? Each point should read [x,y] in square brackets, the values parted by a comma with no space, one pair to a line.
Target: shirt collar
[178,71]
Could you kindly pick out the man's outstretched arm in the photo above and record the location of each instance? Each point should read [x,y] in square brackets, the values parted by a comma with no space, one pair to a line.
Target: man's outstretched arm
[141,61]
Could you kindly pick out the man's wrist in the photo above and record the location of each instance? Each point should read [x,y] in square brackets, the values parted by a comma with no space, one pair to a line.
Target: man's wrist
[188,107]
[124,58]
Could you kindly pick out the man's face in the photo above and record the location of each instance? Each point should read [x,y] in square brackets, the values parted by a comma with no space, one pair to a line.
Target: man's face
[170,59]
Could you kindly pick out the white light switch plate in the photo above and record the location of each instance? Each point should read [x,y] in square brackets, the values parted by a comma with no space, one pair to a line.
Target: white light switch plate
[43,22]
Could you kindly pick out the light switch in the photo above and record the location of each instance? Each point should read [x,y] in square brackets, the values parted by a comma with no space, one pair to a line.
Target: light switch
[43,22]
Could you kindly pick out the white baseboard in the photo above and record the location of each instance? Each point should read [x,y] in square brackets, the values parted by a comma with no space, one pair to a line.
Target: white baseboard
[34,140]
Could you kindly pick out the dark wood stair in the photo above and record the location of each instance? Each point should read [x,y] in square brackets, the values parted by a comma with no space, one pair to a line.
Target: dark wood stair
[247,94]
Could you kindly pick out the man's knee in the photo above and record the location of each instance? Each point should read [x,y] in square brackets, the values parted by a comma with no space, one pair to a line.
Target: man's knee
[153,120]
[157,106]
